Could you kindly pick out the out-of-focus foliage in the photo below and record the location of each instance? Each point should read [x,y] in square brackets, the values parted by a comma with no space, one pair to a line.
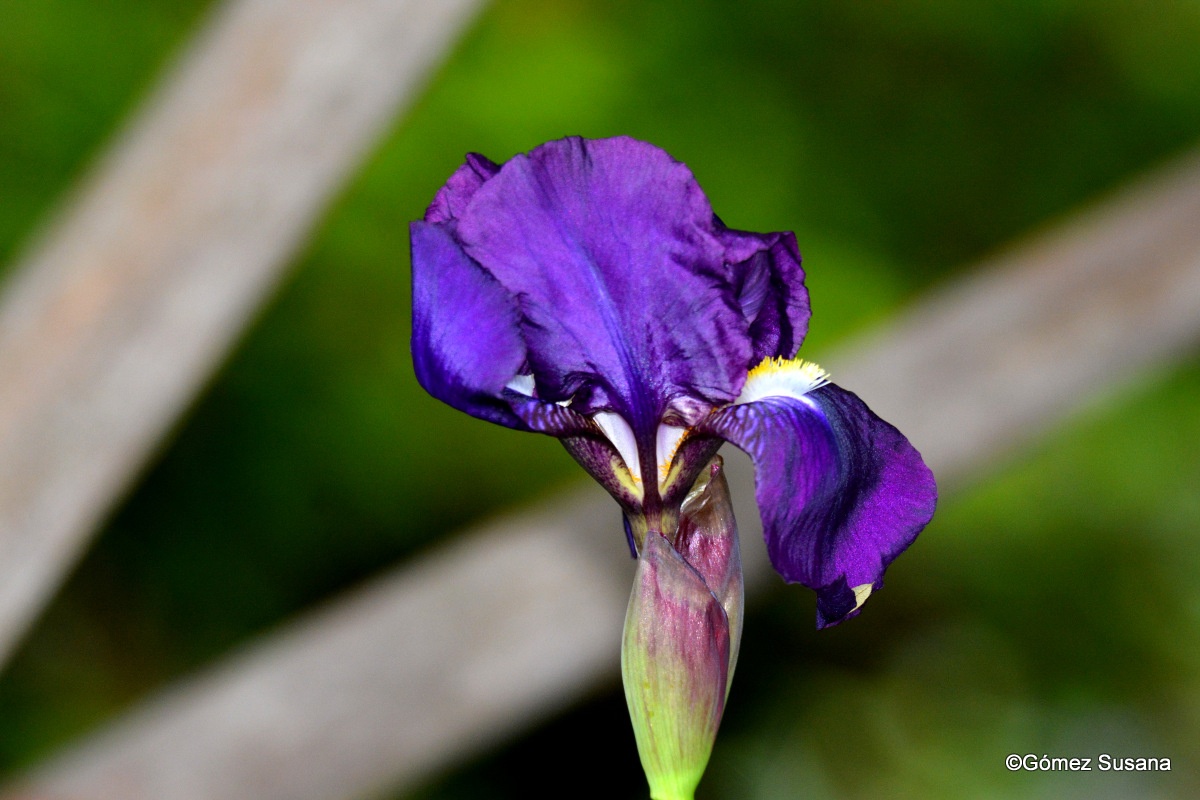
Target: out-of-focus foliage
[69,71]
[1052,610]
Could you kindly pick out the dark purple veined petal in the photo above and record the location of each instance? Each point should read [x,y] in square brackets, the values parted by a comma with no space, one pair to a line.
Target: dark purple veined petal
[466,344]
[623,289]
[841,492]
[600,460]
[550,418]
[769,284]
[691,456]
[586,443]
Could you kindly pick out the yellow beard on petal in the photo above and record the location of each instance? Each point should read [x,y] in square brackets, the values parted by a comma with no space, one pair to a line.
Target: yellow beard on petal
[782,377]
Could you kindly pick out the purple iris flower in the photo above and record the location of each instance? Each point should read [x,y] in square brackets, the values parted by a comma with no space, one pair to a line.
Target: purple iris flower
[586,290]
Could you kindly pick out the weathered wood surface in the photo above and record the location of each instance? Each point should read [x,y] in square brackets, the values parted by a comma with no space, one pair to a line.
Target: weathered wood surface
[447,655]
[110,325]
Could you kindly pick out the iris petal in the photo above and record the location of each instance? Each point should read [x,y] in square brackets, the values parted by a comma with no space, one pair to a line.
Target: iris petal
[841,492]
[451,200]
[623,288]
[549,418]
[466,344]
[769,283]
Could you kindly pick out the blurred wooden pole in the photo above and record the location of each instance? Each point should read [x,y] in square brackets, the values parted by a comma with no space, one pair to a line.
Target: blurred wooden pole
[450,654]
[114,321]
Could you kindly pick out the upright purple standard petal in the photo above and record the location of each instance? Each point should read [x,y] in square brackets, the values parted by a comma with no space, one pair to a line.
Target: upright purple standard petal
[623,288]
[769,284]
[451,200]
[466,345]
[841,492]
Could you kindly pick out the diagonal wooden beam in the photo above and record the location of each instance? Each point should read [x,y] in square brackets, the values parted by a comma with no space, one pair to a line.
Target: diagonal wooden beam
[1083,307]
[390,680]
[511,621]
[114,320]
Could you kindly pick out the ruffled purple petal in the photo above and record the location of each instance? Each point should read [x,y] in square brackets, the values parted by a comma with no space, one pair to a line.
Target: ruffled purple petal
[450,201]
[466,344]
[623,288]
[768,282]
[841,492]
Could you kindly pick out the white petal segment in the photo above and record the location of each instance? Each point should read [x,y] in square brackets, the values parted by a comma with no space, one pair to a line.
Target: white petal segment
[861,593]
[782,377]
[521,384]
[669,437]
[524,384]
[620,434]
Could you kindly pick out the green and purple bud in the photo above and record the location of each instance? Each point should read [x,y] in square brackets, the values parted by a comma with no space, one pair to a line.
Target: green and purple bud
[681,638]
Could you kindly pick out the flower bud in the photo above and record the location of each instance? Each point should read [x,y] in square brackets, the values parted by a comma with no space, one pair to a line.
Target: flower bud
[676,654]
[708,540]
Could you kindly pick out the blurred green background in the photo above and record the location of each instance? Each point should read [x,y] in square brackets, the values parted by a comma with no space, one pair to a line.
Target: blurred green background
[1051,609]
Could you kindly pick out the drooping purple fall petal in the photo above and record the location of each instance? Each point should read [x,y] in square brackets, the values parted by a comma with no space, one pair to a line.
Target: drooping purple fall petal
[841,492]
